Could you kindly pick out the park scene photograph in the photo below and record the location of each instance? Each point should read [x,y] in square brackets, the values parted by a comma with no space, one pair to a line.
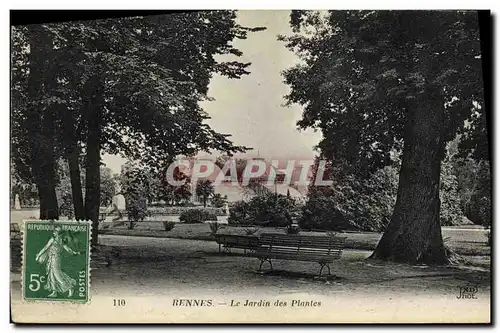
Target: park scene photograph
[251,166]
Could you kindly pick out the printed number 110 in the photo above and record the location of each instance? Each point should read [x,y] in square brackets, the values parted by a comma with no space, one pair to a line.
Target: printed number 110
[118,302]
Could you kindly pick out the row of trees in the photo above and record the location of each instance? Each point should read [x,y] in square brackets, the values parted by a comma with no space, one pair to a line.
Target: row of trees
[379,84]
[28,196]
[130,86]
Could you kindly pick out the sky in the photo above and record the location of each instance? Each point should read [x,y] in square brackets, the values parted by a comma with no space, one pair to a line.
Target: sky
[252,108]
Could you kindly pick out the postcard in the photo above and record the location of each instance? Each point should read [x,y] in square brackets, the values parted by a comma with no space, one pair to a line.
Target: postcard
[251,166]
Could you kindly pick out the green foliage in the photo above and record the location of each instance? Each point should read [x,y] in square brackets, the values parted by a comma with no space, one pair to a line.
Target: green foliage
[66,205]
[239,165]
[25,189]
[108,186]
[451,209]
[63,191]
[358,79]
[358,203]
[175,194]
[197,215]
[362,76]
[238,212]
[268,209]
[218,200]
[137,208]
[134,180]
[478,206]
[135,185]
[143,76]
[168,225]
[214,227]
[351,203]
[204,189]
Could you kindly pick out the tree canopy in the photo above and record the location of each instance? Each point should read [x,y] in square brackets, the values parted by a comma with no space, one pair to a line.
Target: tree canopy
[380,84]
[128,86]
[362,70]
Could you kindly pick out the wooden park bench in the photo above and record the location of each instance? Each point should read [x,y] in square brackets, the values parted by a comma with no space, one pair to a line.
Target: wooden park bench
[321,249]
[227,242]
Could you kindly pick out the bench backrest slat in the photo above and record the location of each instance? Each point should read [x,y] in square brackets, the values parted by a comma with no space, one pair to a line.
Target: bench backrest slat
[302,242]
[236,239]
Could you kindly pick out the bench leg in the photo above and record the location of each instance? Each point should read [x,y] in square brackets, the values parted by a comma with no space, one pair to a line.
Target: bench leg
[226,249]
[262,261]
[323,265]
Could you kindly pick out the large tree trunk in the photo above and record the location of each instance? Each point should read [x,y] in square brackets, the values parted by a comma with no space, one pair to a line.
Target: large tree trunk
[94,93]
[48,166]
[41,125]
[72,157]
[76,183]
[414,233]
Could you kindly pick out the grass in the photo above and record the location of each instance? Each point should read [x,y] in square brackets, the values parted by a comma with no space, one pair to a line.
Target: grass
[360,241]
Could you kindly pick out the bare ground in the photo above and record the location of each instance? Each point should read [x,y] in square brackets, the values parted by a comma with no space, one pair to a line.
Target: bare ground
[163,264]
[159,269]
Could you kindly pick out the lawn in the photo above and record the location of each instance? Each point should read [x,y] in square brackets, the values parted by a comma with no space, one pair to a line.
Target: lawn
[463,241]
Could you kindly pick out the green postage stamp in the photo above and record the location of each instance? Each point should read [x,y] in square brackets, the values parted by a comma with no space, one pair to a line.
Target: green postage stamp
[56,260]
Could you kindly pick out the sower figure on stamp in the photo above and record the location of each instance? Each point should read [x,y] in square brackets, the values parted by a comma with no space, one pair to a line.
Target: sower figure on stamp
[50,256]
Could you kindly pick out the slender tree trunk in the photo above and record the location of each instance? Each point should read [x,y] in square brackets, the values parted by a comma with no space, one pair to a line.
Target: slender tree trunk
[40,124]
[414,233]
[93,109]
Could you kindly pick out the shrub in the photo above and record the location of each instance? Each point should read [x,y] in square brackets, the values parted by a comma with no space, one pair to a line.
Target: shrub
[267,209]
[214,227]
[66,207]
[137,209]
[218,200]
[197,215]
[354,202]
[238,213]
[168,225]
